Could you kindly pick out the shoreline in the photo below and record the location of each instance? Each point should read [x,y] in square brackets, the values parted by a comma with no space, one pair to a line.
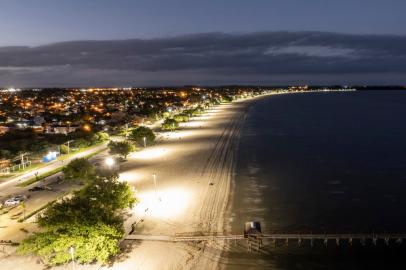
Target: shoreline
[224,215]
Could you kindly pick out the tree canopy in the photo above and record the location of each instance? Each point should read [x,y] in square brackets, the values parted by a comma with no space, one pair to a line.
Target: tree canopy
[90,222]
[79,169]
[121,148]
[226,98]
[170,124]
[138,134]
[182,117]
[193,112]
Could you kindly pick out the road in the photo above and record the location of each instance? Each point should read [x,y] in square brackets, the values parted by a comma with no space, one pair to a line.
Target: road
[10,187]
[10,228]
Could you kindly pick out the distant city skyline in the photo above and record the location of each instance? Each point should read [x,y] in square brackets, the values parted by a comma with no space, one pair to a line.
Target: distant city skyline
[151,43]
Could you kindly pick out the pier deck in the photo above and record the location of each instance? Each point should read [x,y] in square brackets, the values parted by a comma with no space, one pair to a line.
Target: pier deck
[280,236]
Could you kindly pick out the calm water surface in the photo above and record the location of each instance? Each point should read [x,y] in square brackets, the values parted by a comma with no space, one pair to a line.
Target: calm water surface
[323,162]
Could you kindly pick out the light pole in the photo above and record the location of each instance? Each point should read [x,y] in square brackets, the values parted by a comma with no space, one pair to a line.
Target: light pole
[68,144]
[154,176]
[145,142]
[68,131]
[155,184]
[22,160]
[72,255]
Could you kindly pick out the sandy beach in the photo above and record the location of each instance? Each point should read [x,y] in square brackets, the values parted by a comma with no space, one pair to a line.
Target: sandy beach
[193,170]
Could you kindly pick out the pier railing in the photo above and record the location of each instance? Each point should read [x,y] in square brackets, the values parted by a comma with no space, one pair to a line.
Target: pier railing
[255,241]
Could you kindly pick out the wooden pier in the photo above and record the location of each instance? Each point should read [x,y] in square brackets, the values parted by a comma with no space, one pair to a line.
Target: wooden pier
[255,242]
[254,237]
[346,237]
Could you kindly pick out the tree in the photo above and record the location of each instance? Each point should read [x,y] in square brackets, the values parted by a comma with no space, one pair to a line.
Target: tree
[121,148]
[194,112]
[95,242]
[138,134]
[84,138]
[109,194]
[102,136]
[64,149]
[165,114]
[80,143]
[79,169]
[170,124]
[90,221]
[182,117]
[226,99]
[198,110]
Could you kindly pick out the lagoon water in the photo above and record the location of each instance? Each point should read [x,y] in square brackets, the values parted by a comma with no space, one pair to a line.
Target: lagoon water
[322,162]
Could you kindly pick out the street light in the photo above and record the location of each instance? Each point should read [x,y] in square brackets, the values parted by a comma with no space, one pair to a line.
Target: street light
[22,160]
[154,176]
[68,144]
[87,127]
[109,162]
[145,142]
[155,184]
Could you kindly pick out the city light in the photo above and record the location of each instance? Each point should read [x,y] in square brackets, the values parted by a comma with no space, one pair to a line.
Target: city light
[87,127]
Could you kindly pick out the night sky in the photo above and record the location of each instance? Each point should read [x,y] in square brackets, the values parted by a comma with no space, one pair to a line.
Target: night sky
[123,42]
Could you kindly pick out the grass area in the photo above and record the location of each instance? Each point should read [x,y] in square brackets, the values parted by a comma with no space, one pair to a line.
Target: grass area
[67,156]
[6,176]
[16,172]
[55,171]
[40,177]
[94,153]
[39,165]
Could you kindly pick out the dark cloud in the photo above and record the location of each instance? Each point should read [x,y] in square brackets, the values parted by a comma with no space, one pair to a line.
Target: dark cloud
[210,58]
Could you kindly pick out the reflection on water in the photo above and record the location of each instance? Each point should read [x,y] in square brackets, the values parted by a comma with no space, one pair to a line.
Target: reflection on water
[322,162]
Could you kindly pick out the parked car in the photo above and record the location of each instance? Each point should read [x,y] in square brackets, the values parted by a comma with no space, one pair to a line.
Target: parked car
[36,188]
[15,200]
